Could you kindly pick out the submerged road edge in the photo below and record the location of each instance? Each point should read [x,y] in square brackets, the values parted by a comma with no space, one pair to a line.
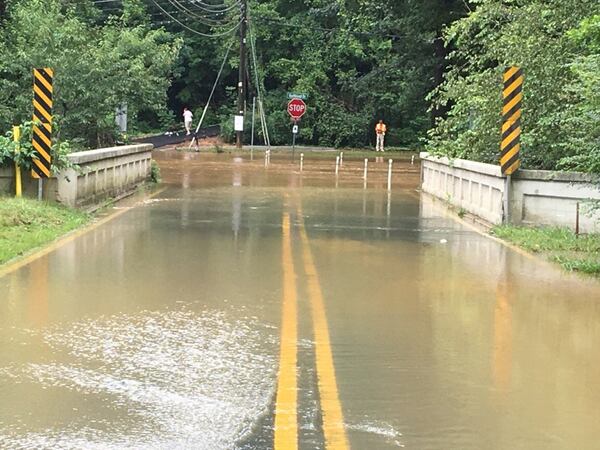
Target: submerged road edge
[50,247]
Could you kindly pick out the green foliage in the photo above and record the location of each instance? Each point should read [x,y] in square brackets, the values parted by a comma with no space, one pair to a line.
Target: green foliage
[155,172]
[574,253]
[548,239]
[376,62]
[97,66]
[358,61]
[27,224]
[581,118]
[578,265]
[23,152]
[537,36]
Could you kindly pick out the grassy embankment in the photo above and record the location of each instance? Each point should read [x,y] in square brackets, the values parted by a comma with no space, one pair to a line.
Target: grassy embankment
[26,224]
[579,254]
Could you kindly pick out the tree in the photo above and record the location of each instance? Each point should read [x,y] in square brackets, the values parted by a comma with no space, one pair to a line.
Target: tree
[97,66]
[532,34]
[580,120]
[357,60]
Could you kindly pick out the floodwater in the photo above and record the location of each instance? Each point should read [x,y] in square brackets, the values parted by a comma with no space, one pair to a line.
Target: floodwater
[403,328]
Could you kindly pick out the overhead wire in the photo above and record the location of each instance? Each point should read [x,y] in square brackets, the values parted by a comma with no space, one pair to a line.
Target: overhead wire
[261,108]
[192,30]
[211,8]
[215,8]
[210,18]
[211,94]
[202,18]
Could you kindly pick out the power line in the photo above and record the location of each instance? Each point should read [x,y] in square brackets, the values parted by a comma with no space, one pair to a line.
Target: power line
[261,108]
[211,8]
[209,17]
[213,35]
[211,94]
[201,18]
[215,8]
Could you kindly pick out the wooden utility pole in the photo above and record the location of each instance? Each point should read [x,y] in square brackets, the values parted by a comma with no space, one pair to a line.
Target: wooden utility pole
[241,105]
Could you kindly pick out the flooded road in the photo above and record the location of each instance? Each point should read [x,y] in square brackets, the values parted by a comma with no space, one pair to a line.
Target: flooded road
[248,307]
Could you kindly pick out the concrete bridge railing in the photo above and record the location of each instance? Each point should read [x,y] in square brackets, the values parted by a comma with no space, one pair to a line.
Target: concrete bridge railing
[103,173]
[537,197]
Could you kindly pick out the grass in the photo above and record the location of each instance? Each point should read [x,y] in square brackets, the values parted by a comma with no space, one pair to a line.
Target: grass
[27,224]
[561,245]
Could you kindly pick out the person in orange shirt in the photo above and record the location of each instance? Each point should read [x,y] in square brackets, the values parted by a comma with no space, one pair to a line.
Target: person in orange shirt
[380,130]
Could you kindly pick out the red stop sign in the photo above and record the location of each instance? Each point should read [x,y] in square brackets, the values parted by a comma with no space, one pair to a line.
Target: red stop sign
[296,108]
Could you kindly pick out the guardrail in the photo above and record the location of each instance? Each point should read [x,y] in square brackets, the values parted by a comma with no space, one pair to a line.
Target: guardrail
[177,137]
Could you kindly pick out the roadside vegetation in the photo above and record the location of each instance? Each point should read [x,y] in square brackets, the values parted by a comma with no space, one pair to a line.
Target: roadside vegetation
[557,44]
[431,69]
[357,61]
[99,62]
[574,253]
[27,224]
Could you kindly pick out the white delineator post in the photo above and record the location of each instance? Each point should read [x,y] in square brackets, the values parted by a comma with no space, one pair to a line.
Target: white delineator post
[390,175]
[365,174]
[341,158]
[337,165]
[412,159]
[266,158]
[301,162]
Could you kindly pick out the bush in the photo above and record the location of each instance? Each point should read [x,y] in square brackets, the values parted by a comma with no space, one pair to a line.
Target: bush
[534,35]
[155,172]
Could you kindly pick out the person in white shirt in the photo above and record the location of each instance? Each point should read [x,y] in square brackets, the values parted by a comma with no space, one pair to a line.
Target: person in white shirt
[187,120]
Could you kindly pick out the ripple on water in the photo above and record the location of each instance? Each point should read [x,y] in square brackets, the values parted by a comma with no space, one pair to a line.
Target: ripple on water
[380,429]
[186,380]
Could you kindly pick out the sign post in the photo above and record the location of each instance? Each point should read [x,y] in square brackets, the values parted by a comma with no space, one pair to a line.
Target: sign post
[296,109]
[294,133]
[121,119]
[42,128]
[510,146]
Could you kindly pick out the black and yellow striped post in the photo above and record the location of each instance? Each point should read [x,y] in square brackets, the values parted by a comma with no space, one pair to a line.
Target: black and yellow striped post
[510,158]
[42,117]
[510,146]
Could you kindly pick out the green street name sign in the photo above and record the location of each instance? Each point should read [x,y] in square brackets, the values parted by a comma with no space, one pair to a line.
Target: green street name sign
[301,96]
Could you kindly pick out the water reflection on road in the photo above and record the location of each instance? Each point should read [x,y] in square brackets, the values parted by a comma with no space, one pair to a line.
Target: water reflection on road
[161,328]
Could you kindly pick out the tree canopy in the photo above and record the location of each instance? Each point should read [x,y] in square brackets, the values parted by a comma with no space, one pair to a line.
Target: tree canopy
[556,44]
[432,69]
[359,61]
[98,66]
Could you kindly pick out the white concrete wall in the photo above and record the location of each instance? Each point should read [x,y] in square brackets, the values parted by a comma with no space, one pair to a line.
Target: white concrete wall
[104,173]
[537,197]
[475,187]
[550,198]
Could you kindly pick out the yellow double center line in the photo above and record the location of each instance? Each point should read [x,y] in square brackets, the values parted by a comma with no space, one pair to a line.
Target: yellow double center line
[286,420]
[286,432]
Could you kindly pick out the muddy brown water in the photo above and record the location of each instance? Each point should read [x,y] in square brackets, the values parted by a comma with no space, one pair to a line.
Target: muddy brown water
[161,328]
